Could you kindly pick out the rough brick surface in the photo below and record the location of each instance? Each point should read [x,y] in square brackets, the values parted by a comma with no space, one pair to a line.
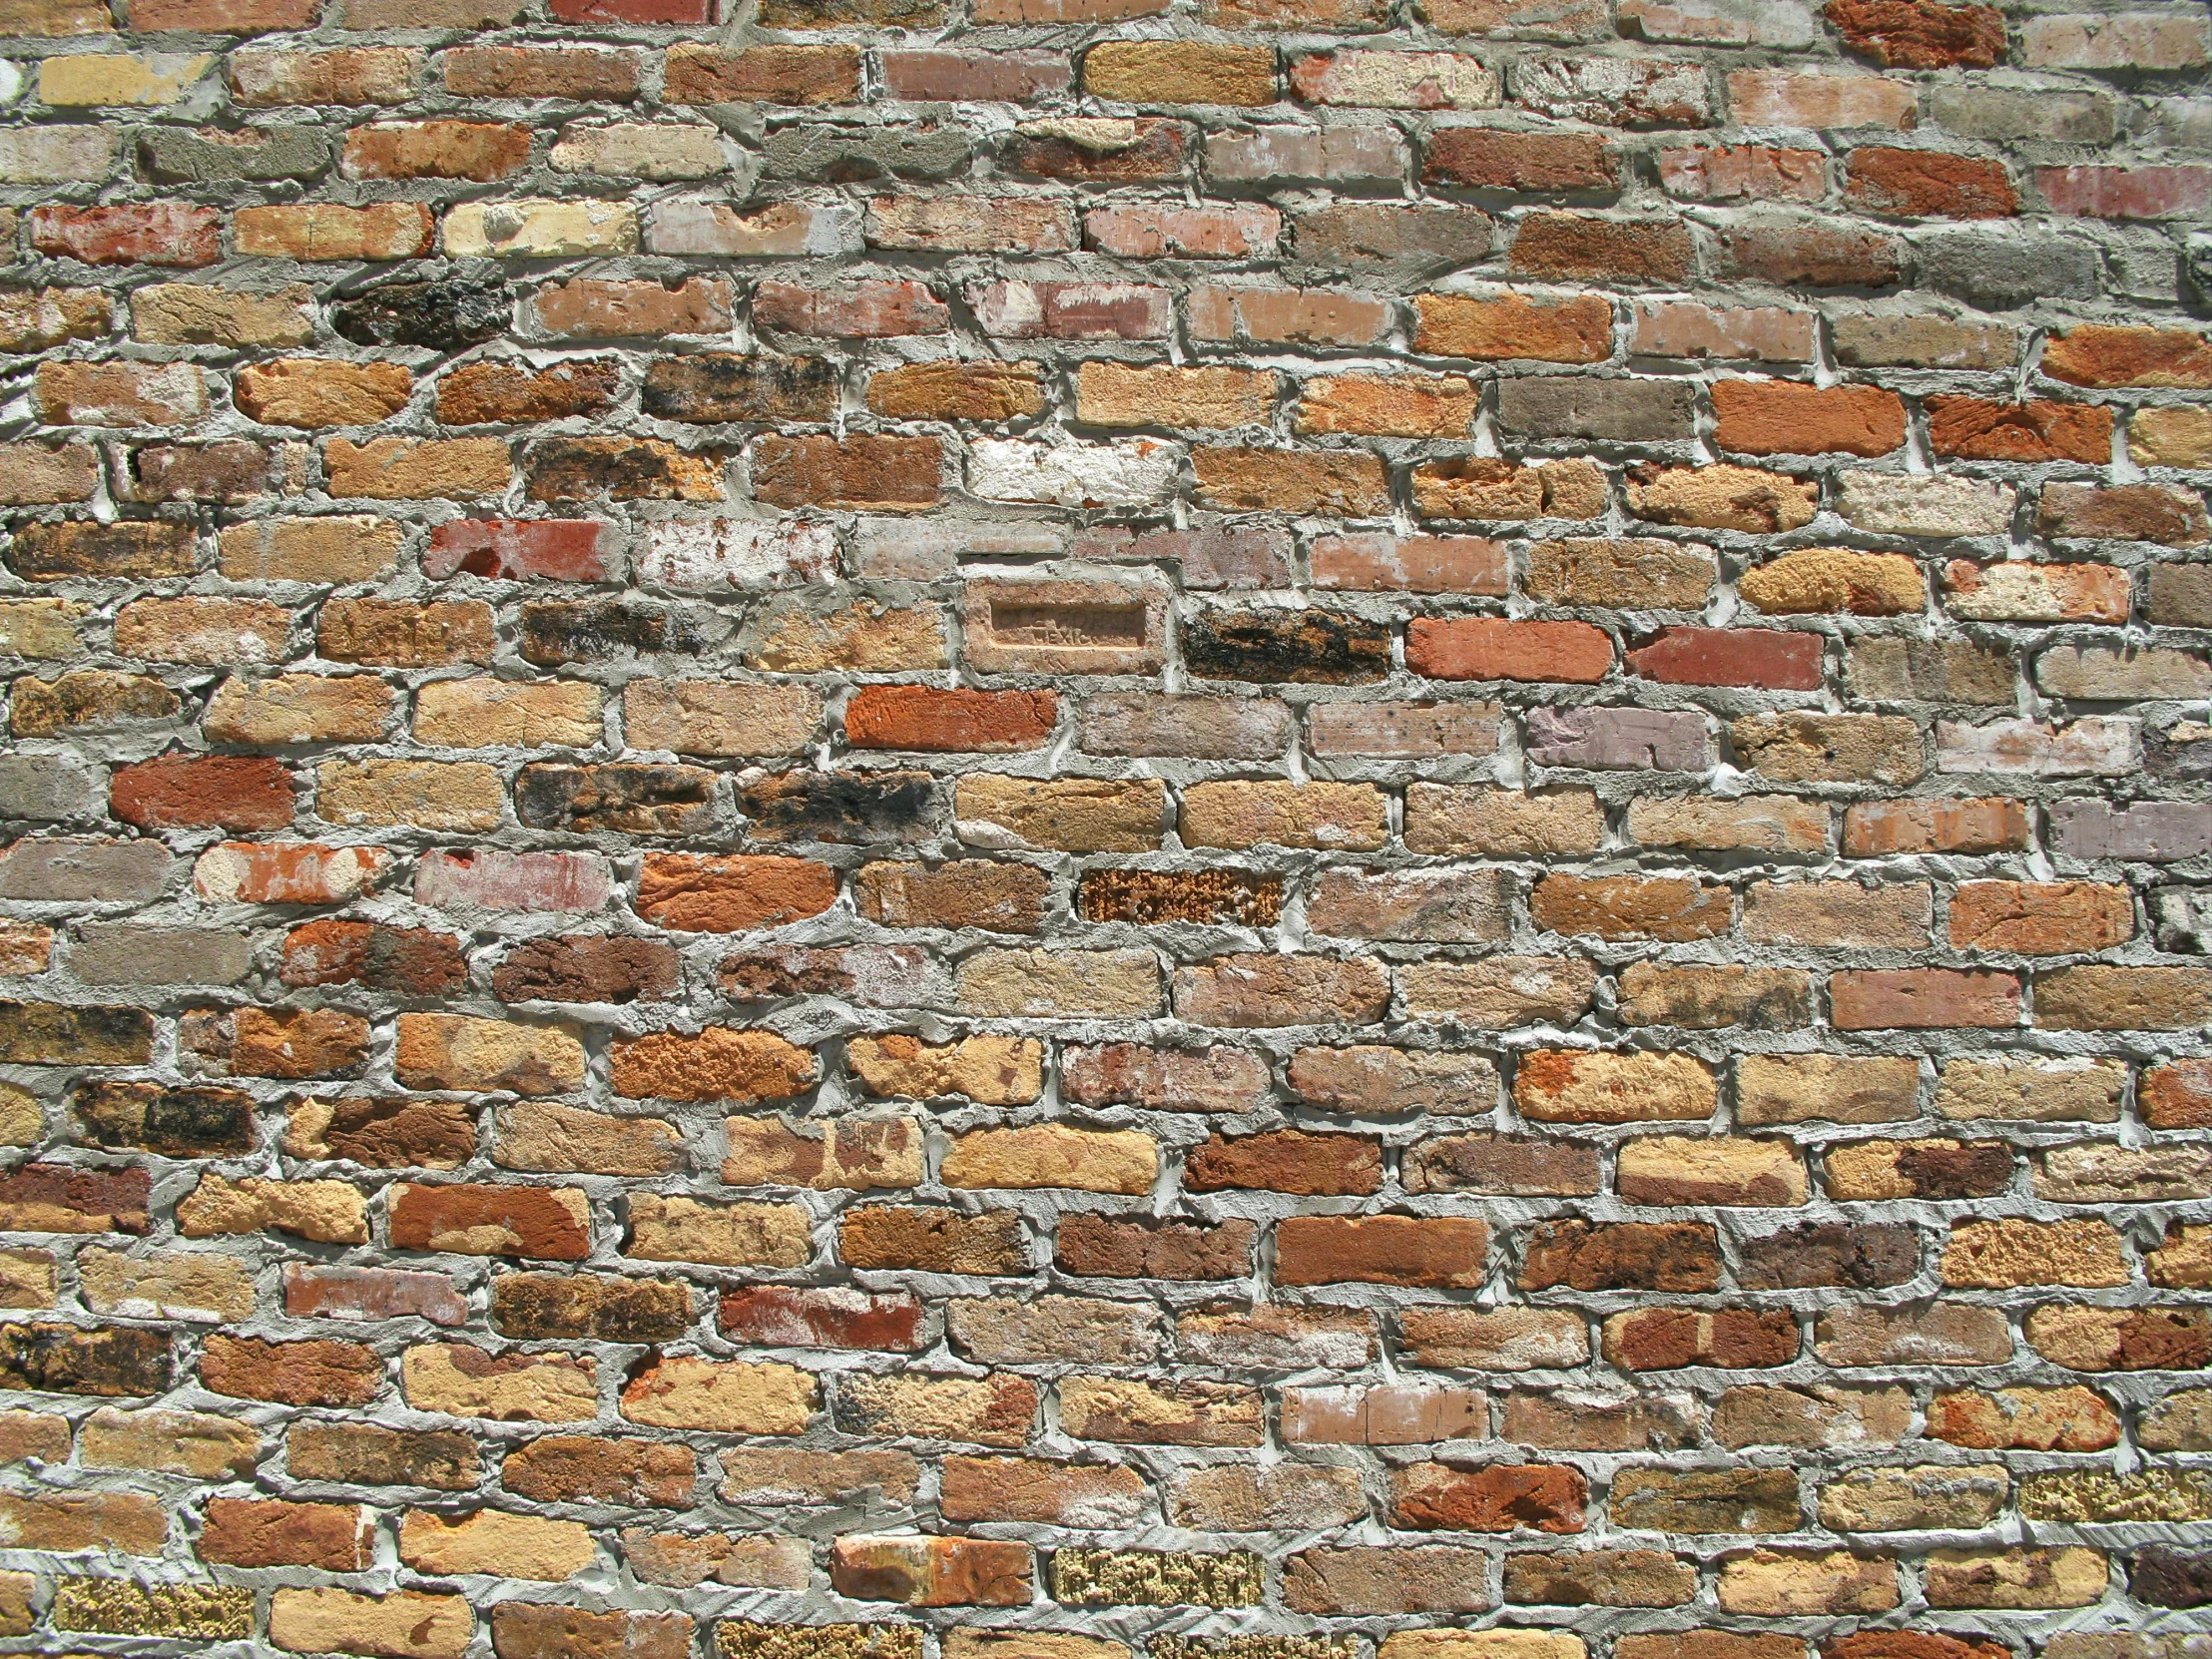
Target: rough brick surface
[1106,828]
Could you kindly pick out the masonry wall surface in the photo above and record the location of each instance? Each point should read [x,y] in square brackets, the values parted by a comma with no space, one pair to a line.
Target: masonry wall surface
[1105,830]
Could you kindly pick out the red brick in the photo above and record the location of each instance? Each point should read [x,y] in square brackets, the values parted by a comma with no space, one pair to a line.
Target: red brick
[487,1221]
[1980,429]
[1487,648]
[516,549]
[1666,1338]
[50,1198]
[223,17]
[1431,1253]
[1501,1497]
[1912,999]
[1744,172]
[865,471]
[265,1532]
[700,893]
[1493,157]
[1928,183]
[663,11]
[196,792]
[169,234]
[949,722]
[1765,658]
[2125,192]
[1784,417]
[402,961]
[1585,247]
[875,310]
[1921,34]
[1876,829]
[1286,1161]
[785,1315]
[798,75]
[477,151]
[977,77]
[291,1374]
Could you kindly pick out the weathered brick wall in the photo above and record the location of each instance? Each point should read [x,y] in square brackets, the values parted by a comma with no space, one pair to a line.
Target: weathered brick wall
[1074,829]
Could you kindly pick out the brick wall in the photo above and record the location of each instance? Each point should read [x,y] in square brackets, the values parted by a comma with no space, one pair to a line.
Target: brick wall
[1105,830]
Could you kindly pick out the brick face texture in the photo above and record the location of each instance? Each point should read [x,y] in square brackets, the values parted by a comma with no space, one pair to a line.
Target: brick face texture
[1106,828]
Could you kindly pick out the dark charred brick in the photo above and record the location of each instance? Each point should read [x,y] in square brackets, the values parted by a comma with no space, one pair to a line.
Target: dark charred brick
[1145,897]
[548,1306]
[1157,154]
[512,394]
[770,975]
[385,1131]
[623,469]
[733,386]
[594,630]
[1822,1254]
[1622,1256]
[1959,1169]
[291,1374]
[54,551]
[68,1360]
[445,316]
[363,1455]
[50,1034]
[400,961]
[177,1123]
[588,967]
[585,1468]
[847,807]
[233,470]
[789,1316]
[2162,1577]
[1108,1247]
[54,1197]
[1298,646]
[626,797]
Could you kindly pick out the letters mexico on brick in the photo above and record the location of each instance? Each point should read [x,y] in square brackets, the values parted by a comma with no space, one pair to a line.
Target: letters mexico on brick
[1106,830]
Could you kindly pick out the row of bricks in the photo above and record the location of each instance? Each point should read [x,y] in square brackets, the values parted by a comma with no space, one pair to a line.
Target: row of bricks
[1789,250]
[1758,417]
[183,792]
[1631,90]
[454,312]
[1856,1416]
[1258,989]
[1001,1407]
[1912,38]
[1430,1252]
[929,1571]
[921,1570]
[1763,1583]
[905,473]
[717,718]
[1883,181]
[2041,1098]
[720,895]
